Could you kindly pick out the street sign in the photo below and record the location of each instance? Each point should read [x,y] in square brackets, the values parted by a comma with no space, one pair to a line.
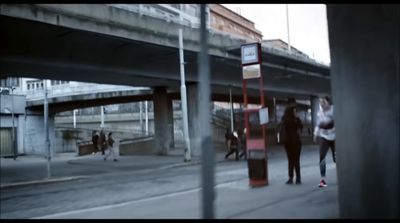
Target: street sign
[255,119]
[250,53]
[251,71]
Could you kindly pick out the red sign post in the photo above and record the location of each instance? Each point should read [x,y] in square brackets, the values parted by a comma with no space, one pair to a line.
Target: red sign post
[255,128]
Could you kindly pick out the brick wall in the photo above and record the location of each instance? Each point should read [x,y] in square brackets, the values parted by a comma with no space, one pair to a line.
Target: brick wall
[225,20]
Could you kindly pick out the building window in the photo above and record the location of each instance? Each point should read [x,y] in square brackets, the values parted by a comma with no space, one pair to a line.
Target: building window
[3,83]
[9,82]
[58,82]
[32,85]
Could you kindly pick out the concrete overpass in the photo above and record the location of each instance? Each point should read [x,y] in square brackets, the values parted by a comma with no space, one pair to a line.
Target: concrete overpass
[105,44]
[91,98]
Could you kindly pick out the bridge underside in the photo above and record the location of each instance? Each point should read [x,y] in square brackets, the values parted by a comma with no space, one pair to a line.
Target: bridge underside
[40,50]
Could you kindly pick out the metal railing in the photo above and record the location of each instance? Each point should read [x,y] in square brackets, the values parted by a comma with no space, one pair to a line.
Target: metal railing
[77,89]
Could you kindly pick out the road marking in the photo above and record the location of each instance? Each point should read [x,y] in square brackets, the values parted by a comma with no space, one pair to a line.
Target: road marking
[116,205]
[242,184]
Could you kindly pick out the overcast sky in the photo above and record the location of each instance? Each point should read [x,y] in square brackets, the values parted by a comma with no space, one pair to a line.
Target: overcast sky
[307,25]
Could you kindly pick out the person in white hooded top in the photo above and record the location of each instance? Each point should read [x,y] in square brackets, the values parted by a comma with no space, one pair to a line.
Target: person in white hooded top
[324,132]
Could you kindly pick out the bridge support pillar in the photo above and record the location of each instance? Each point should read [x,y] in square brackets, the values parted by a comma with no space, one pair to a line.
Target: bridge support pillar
[314,110]
[34,135]
[194,127]
[365,52]
[170,114]
[162,131]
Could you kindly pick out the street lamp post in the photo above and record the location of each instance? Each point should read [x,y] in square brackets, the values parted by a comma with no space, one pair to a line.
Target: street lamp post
[46,129]
[74,121]
[187,152]
[287,25]
[102,116]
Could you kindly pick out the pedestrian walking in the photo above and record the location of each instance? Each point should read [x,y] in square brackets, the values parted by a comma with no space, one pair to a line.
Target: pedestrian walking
[110,144]
[232,144]
[102,142]
[95,141]
[291,126]
[324,133]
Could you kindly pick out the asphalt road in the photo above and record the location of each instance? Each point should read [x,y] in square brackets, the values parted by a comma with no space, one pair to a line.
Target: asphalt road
[176,193]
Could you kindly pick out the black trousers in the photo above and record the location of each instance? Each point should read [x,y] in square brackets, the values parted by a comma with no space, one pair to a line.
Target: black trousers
[103,149]
[233,150]
[244,150]
[293,150]
[324,146]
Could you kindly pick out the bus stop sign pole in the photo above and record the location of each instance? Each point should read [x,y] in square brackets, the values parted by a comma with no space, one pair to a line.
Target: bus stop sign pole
[255,131]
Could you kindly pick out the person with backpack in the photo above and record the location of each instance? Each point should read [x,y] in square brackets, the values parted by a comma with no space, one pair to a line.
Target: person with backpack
[291,125]
[232,141]
[324,132]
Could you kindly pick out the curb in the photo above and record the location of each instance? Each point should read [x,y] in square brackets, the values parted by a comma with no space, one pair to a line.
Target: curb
[191,163]
[62,179]
[45,181]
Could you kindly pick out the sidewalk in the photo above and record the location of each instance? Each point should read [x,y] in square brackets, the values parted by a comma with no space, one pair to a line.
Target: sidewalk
[32,169]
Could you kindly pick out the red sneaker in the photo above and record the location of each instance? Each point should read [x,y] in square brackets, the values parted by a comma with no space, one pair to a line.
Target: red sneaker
[322,183]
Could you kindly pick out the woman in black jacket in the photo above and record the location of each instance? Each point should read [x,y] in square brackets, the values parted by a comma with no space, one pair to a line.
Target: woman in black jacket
[291,125]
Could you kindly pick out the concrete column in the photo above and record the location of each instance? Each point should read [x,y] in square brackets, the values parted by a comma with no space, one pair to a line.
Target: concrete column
[194,127]
[314,110]
[162,132]
[141,116]
[146,112]
[365,71]
[35,133]
[171,123]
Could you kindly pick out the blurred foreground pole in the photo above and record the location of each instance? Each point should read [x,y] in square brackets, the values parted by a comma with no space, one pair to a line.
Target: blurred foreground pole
[207,152]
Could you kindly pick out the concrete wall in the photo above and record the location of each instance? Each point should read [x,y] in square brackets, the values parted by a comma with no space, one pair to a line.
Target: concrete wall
[7,101]
[364,43]
[35,137]
[139,147]
[6,122]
